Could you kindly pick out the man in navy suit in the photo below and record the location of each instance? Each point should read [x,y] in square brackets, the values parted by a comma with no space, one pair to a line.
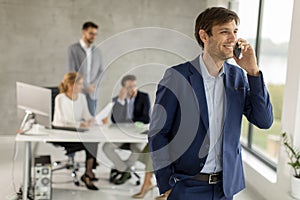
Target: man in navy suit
[130,106]
[194,135]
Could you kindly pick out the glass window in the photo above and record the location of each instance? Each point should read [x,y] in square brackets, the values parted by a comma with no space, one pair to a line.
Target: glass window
[248,14]
[272,59]
[275,32]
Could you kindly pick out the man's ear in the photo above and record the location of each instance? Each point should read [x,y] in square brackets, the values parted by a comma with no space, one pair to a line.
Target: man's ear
[203,35]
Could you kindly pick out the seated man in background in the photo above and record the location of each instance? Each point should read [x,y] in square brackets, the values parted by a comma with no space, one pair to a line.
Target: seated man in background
[130,106]
[71,110]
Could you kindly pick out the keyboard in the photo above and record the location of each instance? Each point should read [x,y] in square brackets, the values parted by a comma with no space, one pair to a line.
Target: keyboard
[67,128]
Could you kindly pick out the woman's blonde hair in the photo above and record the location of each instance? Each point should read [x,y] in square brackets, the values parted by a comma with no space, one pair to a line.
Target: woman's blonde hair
[69,78]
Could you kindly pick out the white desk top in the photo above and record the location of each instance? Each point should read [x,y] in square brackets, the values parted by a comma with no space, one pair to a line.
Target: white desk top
[105,133]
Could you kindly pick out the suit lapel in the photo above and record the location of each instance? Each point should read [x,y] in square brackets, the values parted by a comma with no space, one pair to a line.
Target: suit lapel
[136,102]
[197,84]
[82,50]
[228,78]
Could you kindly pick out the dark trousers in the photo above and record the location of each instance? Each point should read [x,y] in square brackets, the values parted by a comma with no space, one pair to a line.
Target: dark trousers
[191,189]
[92,105]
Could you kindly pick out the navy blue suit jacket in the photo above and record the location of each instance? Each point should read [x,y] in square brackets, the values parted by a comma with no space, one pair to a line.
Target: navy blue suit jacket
[141,110]
[178,129]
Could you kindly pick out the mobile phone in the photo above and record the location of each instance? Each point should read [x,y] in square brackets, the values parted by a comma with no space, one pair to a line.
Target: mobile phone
[237,51]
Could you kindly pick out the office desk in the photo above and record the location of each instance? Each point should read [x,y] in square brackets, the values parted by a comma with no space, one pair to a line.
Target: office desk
[124,133]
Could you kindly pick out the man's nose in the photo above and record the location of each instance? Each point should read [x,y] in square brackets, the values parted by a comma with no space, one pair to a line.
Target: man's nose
[232,37]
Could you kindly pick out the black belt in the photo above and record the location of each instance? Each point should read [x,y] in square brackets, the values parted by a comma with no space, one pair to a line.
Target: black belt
[213,178]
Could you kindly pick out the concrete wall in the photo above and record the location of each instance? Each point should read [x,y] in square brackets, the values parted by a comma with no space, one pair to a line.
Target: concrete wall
[35,35]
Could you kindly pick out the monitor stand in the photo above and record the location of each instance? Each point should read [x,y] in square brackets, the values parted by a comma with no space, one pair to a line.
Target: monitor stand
[27,120]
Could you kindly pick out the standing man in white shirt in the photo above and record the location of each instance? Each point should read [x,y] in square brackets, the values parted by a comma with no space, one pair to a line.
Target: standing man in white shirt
[85,58]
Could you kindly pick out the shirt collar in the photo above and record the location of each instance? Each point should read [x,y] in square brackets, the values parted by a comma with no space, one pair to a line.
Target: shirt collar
[204,71]
[130,99]
[83,44]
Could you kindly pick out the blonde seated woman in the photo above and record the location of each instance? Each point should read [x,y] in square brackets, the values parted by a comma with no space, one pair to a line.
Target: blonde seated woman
[71,109]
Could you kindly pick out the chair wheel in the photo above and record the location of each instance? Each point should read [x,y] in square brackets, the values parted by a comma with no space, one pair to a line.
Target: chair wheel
[57,163]
[76,183]
[138,182]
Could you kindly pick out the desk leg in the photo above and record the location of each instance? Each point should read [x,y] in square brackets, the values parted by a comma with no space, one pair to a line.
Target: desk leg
[27,170]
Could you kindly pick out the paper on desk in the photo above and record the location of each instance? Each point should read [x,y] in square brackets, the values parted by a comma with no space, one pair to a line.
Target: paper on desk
[105,112]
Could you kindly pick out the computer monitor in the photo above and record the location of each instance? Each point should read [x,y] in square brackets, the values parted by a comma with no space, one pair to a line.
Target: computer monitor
[34,99]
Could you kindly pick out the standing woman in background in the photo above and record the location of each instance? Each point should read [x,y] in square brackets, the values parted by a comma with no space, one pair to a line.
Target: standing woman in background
[71,110]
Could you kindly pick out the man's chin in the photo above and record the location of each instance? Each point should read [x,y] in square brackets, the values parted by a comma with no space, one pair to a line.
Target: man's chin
[90,41]
[229,56]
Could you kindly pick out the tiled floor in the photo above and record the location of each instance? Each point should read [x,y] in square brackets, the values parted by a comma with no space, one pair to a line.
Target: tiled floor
[11,168]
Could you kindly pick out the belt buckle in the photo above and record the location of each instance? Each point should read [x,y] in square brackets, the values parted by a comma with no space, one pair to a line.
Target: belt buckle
[210,181]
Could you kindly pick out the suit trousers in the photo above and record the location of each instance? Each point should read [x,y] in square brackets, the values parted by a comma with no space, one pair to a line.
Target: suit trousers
[191,189]
[110,151]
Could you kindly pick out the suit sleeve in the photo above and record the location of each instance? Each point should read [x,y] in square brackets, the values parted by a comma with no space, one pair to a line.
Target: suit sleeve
[145,118]
[162,120]
[71,66]
[100,70]
[118,112]
[258,108]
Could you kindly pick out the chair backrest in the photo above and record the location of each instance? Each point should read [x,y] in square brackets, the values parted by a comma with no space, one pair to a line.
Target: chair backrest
[54,93]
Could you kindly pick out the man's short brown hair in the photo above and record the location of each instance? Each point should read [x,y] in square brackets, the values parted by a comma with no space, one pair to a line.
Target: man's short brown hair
[211,17]
[129,77]
[87,25]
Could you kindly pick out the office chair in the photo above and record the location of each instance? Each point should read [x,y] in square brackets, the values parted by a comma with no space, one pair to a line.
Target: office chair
[70,164]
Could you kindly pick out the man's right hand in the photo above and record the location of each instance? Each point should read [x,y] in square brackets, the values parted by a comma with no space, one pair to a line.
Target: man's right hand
[123,93]
[168,192]
[164,195]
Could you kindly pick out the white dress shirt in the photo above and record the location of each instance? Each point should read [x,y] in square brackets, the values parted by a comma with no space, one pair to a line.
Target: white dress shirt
[130,106]
[88,51]
[215,97]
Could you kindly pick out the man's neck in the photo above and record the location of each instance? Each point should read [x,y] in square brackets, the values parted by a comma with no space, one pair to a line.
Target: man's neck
[86,42]
[213,66]
[132,96]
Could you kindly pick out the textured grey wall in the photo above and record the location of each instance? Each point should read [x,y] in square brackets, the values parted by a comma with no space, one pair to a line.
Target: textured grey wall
[35,35]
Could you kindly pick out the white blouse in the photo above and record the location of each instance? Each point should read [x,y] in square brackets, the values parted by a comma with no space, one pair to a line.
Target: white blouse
[69,112]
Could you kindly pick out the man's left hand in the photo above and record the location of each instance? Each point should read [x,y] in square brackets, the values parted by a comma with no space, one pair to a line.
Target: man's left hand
[90,89]
[248,62]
